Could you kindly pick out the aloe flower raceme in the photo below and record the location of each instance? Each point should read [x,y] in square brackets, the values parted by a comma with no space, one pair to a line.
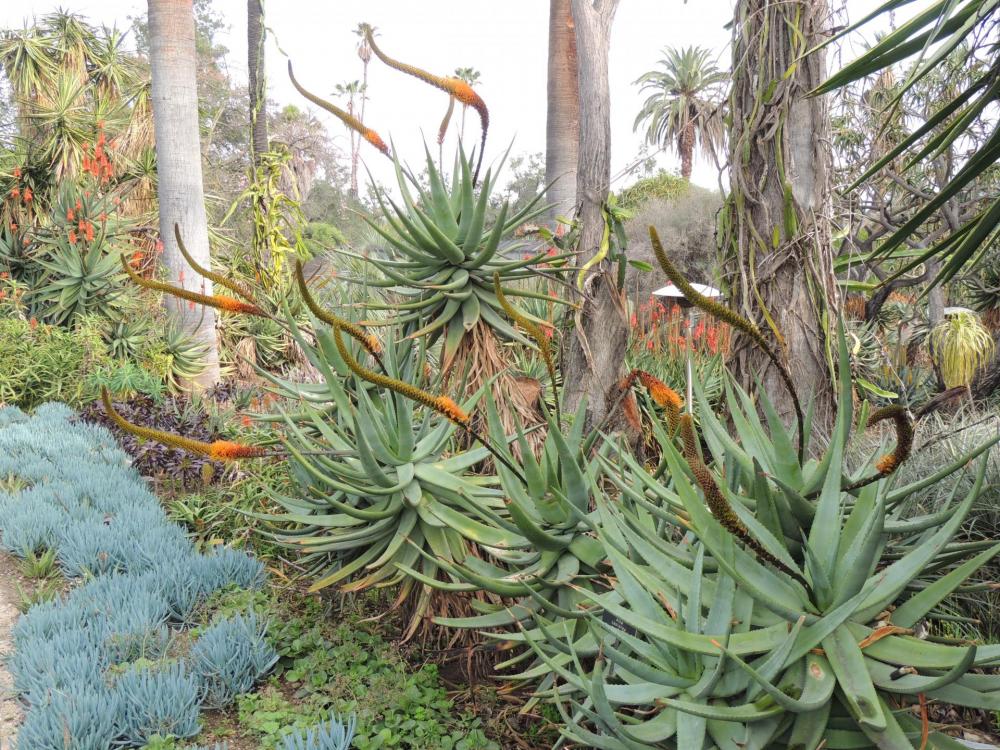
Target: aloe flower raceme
[734,319]
[719,505]
[218,301]
[455,87]
[661,393]
[217,450]
[345,117]
[215,278]
[356,332]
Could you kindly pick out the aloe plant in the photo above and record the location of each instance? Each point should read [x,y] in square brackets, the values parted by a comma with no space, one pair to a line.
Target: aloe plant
[447,254]
[549,501]
[703,641]
[383,501]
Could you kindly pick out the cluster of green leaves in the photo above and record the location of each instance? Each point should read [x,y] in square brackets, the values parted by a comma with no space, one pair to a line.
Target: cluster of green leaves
[40,362]
[344,667]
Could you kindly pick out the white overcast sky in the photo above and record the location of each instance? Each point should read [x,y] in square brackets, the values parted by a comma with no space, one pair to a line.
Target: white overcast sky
[506,41]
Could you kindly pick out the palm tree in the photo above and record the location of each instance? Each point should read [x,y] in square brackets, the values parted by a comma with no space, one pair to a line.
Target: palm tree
[684,108]
[353,91]
[562,122]
[173,59]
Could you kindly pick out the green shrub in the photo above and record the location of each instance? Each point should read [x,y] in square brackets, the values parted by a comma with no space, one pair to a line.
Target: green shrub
[40,363]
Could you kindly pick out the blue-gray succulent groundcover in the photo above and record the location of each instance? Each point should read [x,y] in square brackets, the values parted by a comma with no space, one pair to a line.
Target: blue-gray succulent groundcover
[94,668]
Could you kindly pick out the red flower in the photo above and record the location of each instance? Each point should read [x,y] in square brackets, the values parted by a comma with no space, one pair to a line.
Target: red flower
[15,193]
[70,216]
[103,217]
[17,173]
[79,205]
[72,237]
[90,232]
[33,323]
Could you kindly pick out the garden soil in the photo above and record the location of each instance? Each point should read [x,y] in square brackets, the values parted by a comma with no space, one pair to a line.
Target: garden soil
[10,711]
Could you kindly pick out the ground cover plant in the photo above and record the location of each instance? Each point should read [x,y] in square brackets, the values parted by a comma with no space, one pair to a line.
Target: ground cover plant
[102,664]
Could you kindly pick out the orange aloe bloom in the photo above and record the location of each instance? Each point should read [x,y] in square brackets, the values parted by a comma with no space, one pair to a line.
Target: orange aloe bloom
[15,193]
[450,409]
[17,173]
[90,232]
[225,450]
[72,237]
[28,195]
[70,216]
[661,393]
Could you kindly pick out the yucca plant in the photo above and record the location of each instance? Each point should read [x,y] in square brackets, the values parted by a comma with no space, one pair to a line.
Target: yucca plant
[807,628]
[960,345]
[382,502]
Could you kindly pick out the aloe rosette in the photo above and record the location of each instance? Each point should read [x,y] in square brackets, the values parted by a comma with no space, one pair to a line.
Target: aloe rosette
[446,253]
[382,501]
[702,641]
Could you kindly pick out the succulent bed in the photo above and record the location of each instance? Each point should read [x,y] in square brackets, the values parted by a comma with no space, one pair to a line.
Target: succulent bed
[118,660]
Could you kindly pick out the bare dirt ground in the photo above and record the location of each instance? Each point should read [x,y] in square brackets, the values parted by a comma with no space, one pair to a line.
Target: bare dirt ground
[10,711]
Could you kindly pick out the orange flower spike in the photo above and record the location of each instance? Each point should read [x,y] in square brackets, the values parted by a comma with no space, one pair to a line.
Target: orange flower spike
[70,216]
[888,463]
[15,193]
[455,87]
[28,195]
[72,237]
[17,173]
[345,117]
[217,278]
[219,450]
[218,301]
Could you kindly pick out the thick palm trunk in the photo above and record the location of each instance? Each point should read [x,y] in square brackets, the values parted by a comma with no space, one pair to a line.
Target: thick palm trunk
[178,156]
[776,223]
[686,148]
[562,125]
[258,90]
[595,352]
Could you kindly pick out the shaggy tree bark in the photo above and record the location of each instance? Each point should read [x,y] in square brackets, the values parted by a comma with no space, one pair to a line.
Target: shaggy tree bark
[594,354]
[775,229]
[178,157]
[685,146]
[562,125]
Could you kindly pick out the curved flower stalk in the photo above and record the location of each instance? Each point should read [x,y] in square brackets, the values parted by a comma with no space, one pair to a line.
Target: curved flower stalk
[218,301]
[348,119]
[535,331]
[371,344]
[215,278]
[443,405]
[734,319]
[891,461]
[217,450]
[661,393]
[719,505]
[455,87]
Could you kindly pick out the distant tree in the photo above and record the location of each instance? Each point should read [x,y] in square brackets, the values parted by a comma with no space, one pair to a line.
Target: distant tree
[562,122]
[173,59]
[354,92]
[256,35]
[685,109]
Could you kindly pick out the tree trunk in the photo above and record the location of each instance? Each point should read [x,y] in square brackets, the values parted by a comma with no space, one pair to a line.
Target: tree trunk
[258,89]
[595,352]
[562,126]
[686,148]
[775,227]
[178,156]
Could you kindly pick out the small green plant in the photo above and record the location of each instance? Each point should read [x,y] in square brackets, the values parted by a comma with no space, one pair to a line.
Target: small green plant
[39,565]
[44,591]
